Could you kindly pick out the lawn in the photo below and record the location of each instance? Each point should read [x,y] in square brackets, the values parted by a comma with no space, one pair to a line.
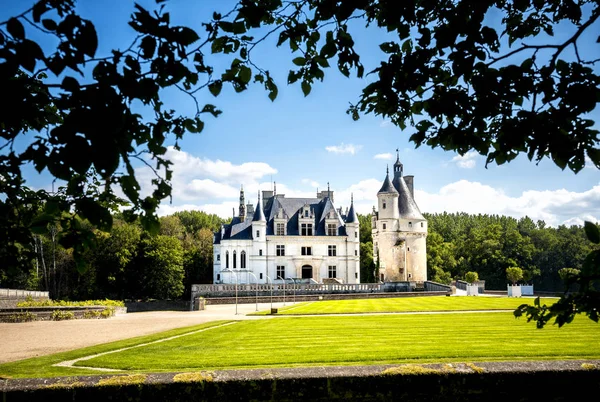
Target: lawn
[407,304]
[342,340]
[301,341]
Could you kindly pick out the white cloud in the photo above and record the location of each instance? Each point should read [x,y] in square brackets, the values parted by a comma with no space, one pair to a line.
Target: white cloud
[224,210]
[386,156]
[344,148]
[385,123]
[466,161]
[555,207]
[310,182]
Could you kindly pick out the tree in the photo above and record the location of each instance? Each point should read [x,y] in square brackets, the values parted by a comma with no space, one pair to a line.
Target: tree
[514,274]
[568,274]
[159,268]
[446,74]
[471,277]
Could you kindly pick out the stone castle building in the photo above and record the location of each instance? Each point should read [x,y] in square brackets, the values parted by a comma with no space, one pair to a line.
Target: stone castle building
[300,238]
[399,230]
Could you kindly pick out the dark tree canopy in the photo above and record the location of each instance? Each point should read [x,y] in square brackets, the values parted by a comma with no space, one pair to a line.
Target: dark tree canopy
[483,75]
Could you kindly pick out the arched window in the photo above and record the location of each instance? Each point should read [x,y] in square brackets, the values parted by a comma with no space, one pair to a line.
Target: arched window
[227,259]
[234,260]
[243,259]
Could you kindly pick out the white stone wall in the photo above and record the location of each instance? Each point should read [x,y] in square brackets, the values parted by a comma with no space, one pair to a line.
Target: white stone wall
[347,259]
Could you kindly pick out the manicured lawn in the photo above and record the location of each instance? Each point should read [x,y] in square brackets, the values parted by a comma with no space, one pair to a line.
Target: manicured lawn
[42,366]
[407,304]
[355,340]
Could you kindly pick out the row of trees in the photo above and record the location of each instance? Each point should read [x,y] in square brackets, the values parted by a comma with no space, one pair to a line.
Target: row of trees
[127,262]
[459,243]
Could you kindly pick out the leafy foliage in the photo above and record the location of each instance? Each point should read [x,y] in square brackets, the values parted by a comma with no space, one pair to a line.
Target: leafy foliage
[514,274]
[586,300]
[471,277]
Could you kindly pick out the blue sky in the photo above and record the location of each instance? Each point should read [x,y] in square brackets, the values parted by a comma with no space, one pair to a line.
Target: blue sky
[304,142]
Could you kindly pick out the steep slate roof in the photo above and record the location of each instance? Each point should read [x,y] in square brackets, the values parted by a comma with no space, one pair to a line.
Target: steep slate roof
[352,217]
[387,186]
[259,216]
[291,207]
[406,203]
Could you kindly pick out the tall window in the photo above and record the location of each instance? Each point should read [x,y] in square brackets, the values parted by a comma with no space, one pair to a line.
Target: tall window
[306,229]
[332,271]
[280,229]
[234,260]
[257,234]
[243,259]
[355,252]
[331,251]
[306,213]
[410,224]
[218,257]
[355,234]
[280,249]
[227,259]
[421,224]
[384,226]
[331,229]
[383,205]
[260,252]
[281,271]
[306,250]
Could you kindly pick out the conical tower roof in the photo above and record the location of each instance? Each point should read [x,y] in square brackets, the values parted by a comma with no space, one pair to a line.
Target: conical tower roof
[387,186]
[351,216]
[259,215]
[407,207]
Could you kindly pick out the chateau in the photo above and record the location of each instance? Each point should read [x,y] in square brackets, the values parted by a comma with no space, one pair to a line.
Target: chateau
[399,230]
[298,238]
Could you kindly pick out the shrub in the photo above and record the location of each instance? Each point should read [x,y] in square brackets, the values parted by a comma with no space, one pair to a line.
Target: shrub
[123,380]
[471,277]
[21,317]
[60,315]
[64,303]
[514,274]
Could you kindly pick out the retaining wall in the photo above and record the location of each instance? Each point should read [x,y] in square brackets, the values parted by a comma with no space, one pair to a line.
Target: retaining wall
[522,381]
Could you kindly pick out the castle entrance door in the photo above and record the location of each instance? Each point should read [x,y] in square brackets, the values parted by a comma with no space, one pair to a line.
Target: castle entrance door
[307,272]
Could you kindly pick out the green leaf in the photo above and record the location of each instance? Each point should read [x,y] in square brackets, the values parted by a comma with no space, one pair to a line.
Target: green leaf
[15,28]
[305,88]
[40,224]
[592,232]
[49,24]
[97,214]
[70,84]
[215,87]
[89,37]
[245,74]
[187,36]
[148,46]
[299,61]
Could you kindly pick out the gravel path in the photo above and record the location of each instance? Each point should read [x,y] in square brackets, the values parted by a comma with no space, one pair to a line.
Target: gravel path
[38,338]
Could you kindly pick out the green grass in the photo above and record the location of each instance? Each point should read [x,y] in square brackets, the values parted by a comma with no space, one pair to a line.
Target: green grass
[406,304]
[305,341]
[42,366]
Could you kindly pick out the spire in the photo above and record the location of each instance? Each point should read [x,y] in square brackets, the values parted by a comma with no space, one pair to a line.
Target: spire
[387,186]
[398,167]
[328,191]
[242,204]
[274,188]
[259,215]
[351,216]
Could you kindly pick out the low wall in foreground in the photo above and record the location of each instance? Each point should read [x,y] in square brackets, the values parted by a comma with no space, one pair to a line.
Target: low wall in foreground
[519,381]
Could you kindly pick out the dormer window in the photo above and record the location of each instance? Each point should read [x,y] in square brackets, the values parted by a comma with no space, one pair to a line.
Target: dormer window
[306,229]
[331,229]
[306,213]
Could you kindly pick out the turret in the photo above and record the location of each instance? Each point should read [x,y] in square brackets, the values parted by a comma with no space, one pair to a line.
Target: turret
[259,222]
[388,199]
[352,222]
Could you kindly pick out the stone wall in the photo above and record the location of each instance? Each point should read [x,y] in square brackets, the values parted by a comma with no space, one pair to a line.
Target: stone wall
[435,382]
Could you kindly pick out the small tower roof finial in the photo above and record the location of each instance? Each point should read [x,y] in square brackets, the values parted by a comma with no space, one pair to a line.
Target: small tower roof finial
[397,154]
[351,198]
[387,169]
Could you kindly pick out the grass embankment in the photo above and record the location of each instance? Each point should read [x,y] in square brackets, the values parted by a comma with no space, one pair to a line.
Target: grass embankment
[42,366]
[303,341]
[406,304]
